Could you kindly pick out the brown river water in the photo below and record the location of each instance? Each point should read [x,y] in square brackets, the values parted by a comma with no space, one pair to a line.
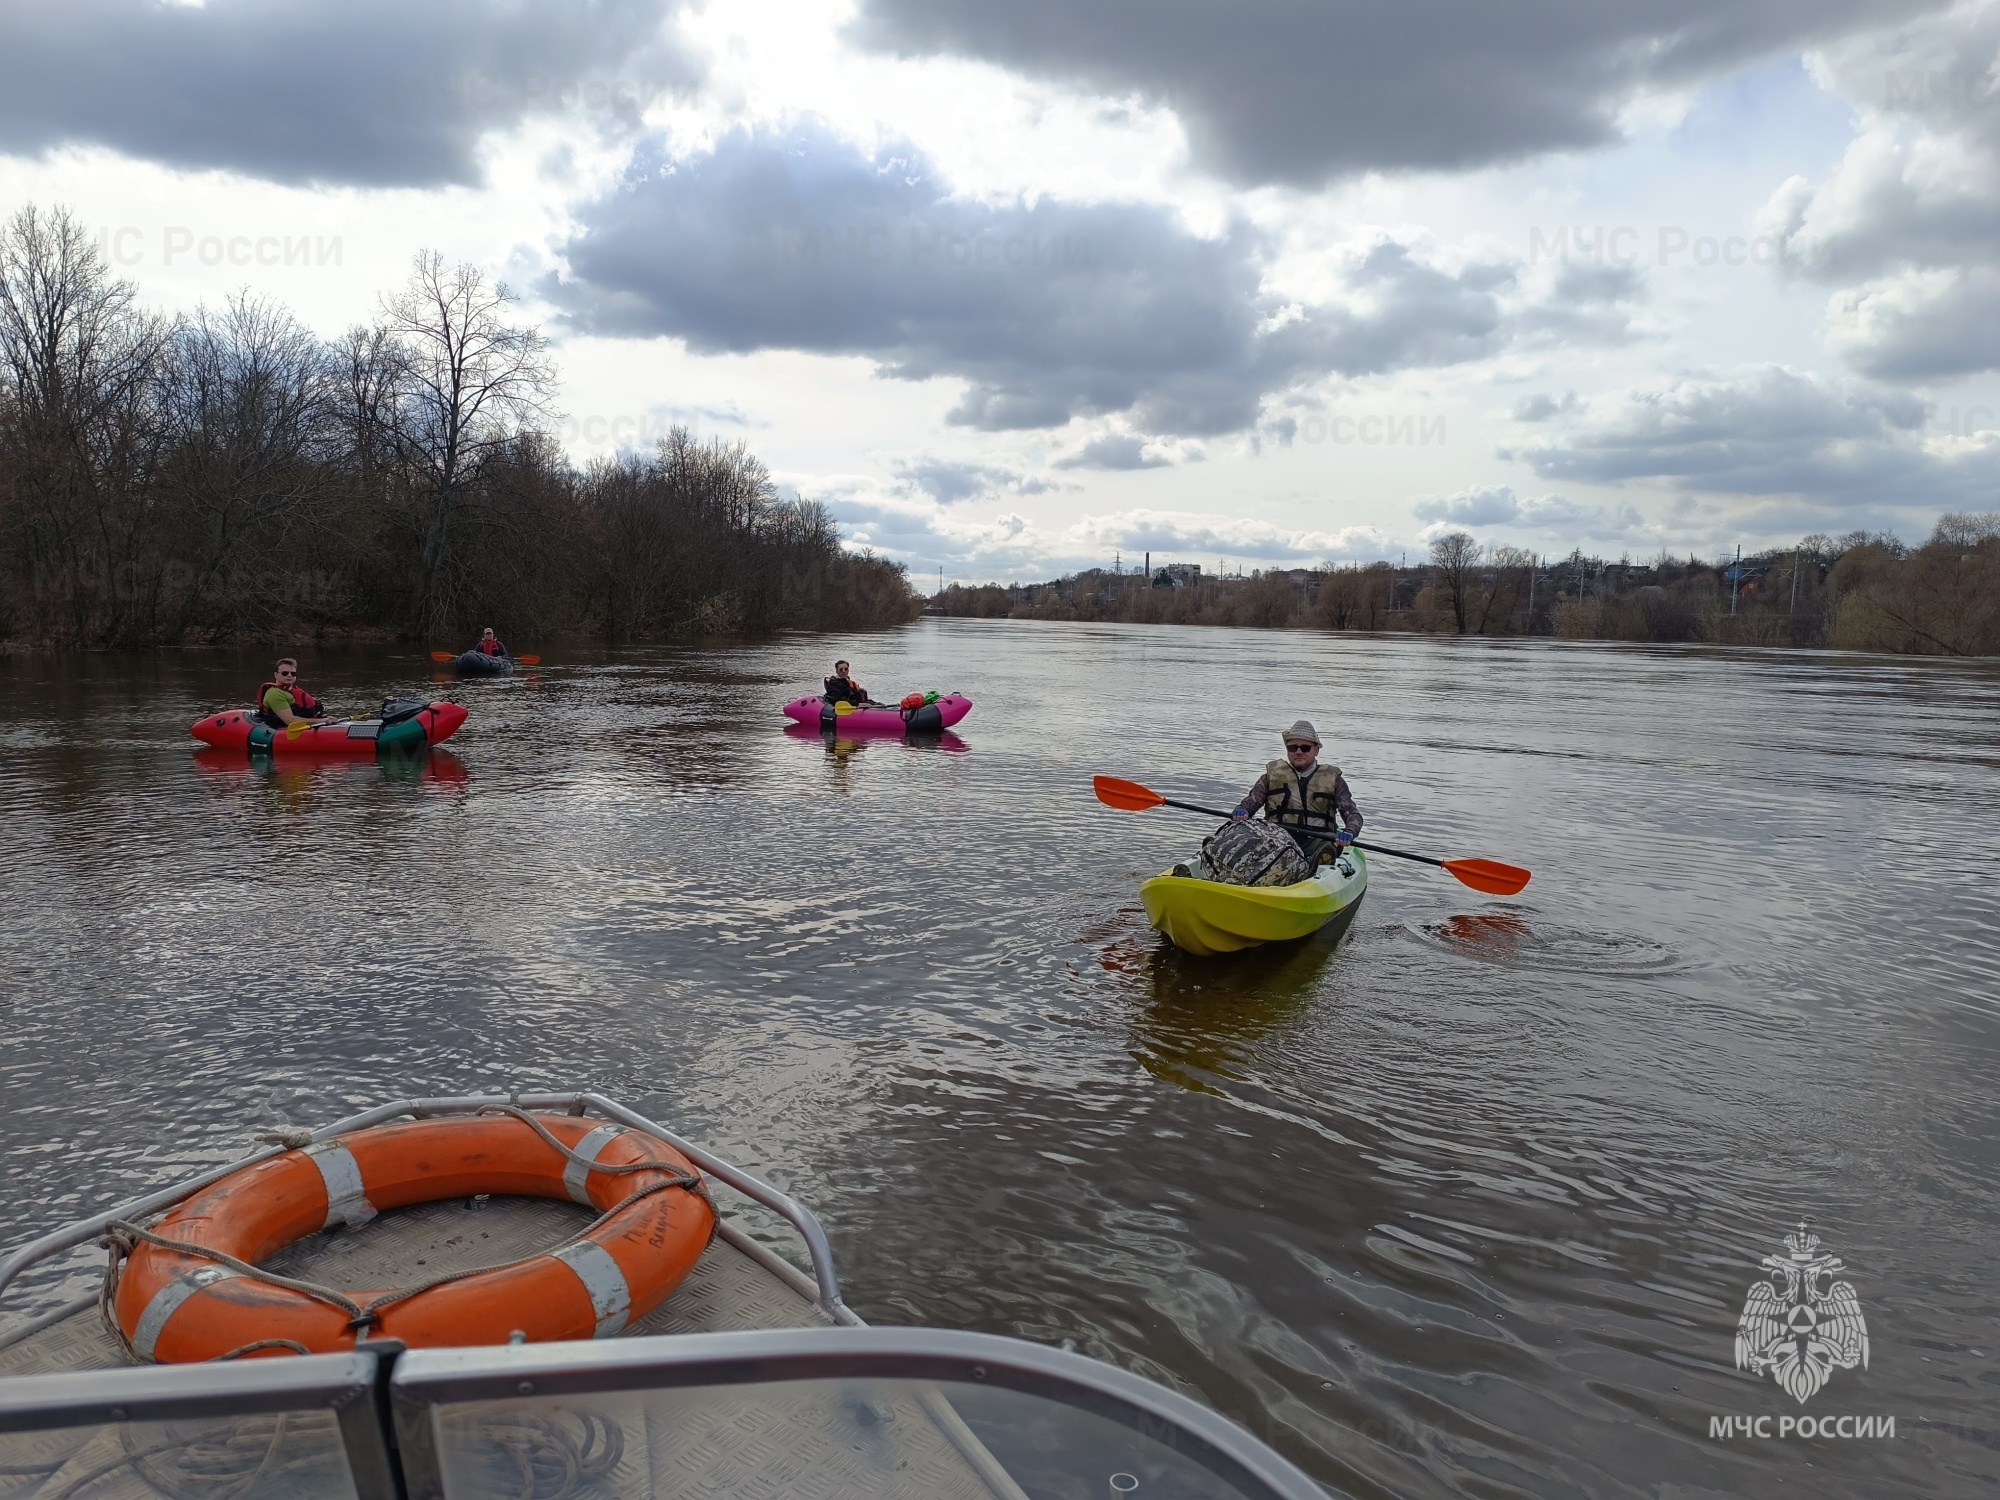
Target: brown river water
[1469,1205]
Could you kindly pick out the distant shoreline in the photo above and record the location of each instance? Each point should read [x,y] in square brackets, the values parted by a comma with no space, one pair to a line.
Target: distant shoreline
[1860,593]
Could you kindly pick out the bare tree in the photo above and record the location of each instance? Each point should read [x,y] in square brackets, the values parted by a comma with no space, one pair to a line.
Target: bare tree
[252,419]
[228,474]
[1454,564]
[469,382]
[78,374]
[695,535]
[1510,583]
[367,367]
[1339,597]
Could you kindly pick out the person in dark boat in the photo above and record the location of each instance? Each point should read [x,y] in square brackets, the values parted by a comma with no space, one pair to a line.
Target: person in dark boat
[281,701]
[841,688]
[490,644]
[1305,796]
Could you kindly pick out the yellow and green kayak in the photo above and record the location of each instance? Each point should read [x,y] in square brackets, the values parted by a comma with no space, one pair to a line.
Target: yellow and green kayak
[1206,917]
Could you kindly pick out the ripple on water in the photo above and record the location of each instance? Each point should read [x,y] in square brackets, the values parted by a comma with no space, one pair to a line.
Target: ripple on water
[1436,1229]
[1511,939]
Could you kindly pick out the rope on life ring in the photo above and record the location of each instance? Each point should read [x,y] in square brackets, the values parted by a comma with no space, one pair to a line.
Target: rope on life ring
[189,1288]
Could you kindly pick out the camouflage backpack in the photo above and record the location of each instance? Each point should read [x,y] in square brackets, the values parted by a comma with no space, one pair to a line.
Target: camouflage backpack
[1246,851]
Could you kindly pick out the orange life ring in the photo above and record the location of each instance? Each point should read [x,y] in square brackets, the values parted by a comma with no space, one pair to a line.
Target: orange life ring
[176,1307]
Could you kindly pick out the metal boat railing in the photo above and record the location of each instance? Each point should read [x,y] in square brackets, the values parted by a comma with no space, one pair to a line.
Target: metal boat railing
[377,1424]
[388,1424]
[826,1282]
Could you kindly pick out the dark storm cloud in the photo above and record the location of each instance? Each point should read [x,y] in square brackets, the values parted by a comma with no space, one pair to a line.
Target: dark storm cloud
[1048,310]
[368,92]
[1772,431]
[800,242]
[1299,90]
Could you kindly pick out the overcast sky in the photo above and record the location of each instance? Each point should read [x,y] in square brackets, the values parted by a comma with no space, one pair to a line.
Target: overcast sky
[1017,289]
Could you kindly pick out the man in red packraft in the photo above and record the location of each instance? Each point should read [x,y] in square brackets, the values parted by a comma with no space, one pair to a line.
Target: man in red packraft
[282,701]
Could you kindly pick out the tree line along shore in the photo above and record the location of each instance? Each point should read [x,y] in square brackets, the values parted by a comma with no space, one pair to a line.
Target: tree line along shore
[227,475]
[1859,592]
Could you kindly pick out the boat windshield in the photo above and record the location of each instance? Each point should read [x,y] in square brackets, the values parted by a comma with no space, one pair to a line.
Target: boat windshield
[867,1413]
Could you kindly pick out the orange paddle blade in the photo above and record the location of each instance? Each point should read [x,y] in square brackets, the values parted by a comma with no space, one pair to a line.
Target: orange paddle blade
[529,661]
[1489,875]
[443,656]
[1127,796]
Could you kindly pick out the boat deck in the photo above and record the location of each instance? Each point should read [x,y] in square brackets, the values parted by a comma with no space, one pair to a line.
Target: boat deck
[884,1440]
[730,1287]
[824,1440]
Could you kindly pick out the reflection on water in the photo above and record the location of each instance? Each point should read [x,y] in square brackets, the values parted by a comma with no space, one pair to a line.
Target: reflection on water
[1467,1202]
[295,772]
[1523,942]
[1205,1016]
[839,747]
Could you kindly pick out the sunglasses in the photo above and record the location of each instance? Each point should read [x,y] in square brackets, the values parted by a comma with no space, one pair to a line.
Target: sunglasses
[1300,749]
[288,674]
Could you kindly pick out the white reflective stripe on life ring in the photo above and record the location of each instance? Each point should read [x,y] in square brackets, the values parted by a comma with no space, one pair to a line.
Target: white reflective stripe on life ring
[610,1297]
[346,1195]
[167,1301]
[576,1176]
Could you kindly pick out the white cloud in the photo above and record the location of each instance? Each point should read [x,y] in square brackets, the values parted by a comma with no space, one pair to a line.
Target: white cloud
[1770,433]
[1048,311]
[950,480]
[1542,516]
[1908,226]
[723,242]
[1197,535]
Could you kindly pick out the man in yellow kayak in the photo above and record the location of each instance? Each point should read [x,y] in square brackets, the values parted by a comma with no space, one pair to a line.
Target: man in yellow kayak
[1303,796]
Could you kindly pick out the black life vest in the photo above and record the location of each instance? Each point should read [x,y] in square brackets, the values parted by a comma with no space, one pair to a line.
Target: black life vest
[844,690]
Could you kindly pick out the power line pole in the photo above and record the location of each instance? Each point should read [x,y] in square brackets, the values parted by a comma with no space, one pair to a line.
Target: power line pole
[1735,577]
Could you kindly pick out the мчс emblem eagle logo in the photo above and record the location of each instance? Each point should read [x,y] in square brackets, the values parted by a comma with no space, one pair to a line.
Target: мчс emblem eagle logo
[1798,1325]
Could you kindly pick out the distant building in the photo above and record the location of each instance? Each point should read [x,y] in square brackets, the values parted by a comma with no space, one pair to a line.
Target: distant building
[1176,575]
